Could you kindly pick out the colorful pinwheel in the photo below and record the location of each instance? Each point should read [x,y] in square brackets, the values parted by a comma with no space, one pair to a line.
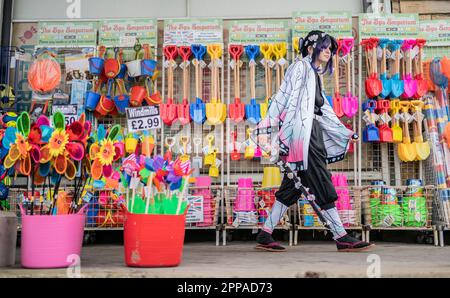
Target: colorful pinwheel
[104,151]
[23,145]
[64,147]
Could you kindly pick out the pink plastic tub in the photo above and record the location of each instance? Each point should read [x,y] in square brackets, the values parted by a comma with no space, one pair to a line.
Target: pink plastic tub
[51,241]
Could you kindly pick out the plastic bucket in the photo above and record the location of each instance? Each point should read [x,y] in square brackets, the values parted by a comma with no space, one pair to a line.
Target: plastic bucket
[105,106]
[96,65]
[245,182]
[51,241]
[148,67]
[92,100]
[154,240]
[271,177]
[122,102]
[203,181]
[122,72]
[130,145]
[8,239]
[119,148]
[138,93]
[112,68]
[134,68]
[154,99]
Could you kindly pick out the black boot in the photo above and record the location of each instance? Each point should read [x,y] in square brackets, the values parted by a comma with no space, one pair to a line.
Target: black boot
[350,244]
[266,242]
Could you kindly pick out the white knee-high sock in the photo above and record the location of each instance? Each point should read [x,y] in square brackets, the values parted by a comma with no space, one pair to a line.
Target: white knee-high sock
[336,226]
[275,215]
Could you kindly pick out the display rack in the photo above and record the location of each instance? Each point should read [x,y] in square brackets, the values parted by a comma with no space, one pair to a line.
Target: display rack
[238,217]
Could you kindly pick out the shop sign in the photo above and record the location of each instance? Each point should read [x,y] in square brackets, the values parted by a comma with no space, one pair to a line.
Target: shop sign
[193,31]
[195,213]
[436,33]
[143,118]
[70,112]
[337,24]
[393,26]
[67,34]
[260,31]
[124,33]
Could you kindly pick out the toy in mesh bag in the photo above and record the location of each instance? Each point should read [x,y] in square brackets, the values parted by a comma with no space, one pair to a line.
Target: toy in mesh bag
[45,73]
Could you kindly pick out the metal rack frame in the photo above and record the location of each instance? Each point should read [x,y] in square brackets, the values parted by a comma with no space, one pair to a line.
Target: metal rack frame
[228,215]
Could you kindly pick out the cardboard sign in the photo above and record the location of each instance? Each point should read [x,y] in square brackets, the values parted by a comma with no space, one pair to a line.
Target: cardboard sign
[143,118]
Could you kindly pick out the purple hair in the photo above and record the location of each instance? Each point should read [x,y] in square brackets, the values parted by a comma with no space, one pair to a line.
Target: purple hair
[323,42]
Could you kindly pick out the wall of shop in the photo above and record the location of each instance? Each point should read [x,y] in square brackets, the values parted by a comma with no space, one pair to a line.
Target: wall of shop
[57,9]
[428,10]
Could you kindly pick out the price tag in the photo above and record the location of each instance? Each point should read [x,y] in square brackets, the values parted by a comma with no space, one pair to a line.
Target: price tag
[127,41]
[143,118]
[70,112]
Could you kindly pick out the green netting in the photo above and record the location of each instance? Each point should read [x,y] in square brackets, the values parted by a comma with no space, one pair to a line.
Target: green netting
[374,209]
[415,211]
[391,215]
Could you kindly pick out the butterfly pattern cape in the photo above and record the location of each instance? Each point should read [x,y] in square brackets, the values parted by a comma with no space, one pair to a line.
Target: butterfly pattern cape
[285,132]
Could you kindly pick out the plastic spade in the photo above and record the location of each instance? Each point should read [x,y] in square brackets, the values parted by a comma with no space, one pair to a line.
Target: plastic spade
[410,83]
[215,110]
[296,45]
[209,158]
[214,170]
[170,142]
[385,131]
[422,84]
[337,99]
[373,84]
[397,132]
[237,109]
[427,75]
[350,103]
[198,109]
[252,111]
[370,132]
[441,81]
[250,149]
[235,154]
[169,109]
[184,141]
[373,134]
[386,83]
[397,85]
[406,150]
[445,66]
[422,148]
[267,50]
[197,160]
[183,109]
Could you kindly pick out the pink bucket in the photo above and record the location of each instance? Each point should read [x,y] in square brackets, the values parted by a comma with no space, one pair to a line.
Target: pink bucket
[245,198]
[51,241]
[203,181]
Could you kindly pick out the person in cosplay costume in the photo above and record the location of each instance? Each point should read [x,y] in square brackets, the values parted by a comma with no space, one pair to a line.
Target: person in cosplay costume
[308,135]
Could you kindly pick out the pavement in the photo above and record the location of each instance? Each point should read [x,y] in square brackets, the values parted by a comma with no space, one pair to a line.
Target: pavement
[241,260]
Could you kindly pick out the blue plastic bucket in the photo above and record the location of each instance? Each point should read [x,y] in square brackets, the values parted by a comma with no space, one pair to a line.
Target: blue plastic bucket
[96,65]
[122,102]
[148,67]
[123,71]
[92,100]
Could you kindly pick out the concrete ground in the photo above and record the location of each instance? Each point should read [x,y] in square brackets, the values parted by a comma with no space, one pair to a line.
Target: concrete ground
[239,259]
